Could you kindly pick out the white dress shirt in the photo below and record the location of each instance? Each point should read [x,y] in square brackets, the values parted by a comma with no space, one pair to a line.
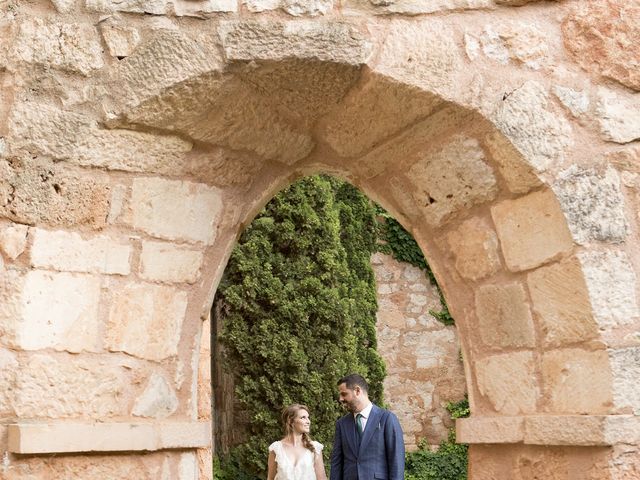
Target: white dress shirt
[365,412]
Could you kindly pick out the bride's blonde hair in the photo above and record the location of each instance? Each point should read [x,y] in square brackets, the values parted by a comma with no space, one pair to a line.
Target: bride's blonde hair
[288,416]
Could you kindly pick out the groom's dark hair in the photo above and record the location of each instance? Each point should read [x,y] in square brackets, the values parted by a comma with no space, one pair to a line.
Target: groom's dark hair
[352,380]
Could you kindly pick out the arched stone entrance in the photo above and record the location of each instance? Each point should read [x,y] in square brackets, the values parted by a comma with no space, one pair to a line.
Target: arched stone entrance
[135,148]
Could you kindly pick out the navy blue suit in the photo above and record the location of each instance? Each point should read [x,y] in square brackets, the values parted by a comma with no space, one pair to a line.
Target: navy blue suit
[379,454]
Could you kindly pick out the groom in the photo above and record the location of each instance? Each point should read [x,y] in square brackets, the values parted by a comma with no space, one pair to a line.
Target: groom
[368,443]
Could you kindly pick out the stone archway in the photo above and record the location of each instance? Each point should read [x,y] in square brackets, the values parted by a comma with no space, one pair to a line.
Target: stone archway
[111,162]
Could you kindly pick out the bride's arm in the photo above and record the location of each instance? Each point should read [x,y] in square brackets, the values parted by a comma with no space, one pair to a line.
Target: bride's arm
[272,466]
[318,466]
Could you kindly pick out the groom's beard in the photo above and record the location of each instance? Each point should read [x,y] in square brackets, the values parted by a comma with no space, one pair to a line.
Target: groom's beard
[350,407]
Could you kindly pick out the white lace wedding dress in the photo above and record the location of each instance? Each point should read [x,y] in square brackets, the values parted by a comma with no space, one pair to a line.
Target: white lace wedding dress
[286,470]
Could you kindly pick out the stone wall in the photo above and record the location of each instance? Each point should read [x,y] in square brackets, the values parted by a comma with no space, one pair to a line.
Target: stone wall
[423,356]
[138,138]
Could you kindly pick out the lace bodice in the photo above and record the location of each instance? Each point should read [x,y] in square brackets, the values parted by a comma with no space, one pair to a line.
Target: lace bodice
[286,470]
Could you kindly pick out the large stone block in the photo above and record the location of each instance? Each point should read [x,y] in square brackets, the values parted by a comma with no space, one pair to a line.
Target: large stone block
[8,371]
[145,320]
[296,8]
[561,302]
[531,462]
[624,463]
[593,203]
[176,210]
[416,7]
[54,386]
[70,252]
[188,466]
[76,138]
[120,39]
[225,111]
[525,118]
[35,191]
[516,3]
[202,385]
[509,382]
[619,116]
[411,146]
[223,167]
[195,8]
[205,460]
[518,42]
[577,381]
[165,262]
[430,349]
[515,170]
[302,91]
[158,399]
[63,6]
[575,430]
[576,101]
[452,178]
[422,54]
[13,240]
[597,35]
[269,40]
[475,247]
[625,366]
[166,58]
[51,310]
[612,286]
[71,436]
[481,430]
[504,318]
[393,319]
[532,230]
[66,46]
[175,83]
[73,467]
[376,111]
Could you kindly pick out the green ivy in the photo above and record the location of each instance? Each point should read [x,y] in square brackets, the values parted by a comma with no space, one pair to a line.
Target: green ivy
[394,240]
[459,409]
[443,315]
[449,462]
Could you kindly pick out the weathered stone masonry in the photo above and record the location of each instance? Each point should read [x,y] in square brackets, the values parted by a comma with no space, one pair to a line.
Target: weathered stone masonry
[137,138]
[422,355]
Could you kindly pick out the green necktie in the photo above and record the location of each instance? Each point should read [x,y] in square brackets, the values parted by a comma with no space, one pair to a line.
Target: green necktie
[359,418]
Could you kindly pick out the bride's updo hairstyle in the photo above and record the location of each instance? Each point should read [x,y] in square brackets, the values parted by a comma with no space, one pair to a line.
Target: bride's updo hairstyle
[288,416]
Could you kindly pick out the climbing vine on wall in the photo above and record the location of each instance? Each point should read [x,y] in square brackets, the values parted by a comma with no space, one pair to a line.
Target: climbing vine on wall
[299,306]
[397,242]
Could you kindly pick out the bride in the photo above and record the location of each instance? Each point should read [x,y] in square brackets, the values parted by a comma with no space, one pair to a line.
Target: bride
[296,456]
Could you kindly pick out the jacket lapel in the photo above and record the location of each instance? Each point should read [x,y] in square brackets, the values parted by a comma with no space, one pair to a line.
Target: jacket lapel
[372,425]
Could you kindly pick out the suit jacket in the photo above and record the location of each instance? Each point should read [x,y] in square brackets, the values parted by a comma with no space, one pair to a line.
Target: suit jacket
[378,455]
